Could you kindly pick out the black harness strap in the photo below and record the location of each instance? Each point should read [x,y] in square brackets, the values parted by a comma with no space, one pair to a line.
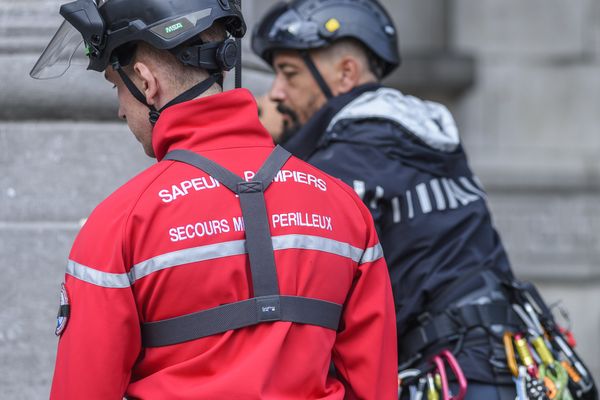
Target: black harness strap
[316,74]
[267,304]
[189,94]
[254,211]
[240,315]
[454,322]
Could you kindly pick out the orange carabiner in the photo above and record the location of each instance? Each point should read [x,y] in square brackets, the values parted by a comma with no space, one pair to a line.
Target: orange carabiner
[510,354]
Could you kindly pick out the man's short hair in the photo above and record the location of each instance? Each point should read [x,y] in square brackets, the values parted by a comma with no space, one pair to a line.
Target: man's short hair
[180,76]
[356,48]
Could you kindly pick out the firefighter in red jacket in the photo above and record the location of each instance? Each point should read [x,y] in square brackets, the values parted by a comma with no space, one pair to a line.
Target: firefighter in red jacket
[228,270]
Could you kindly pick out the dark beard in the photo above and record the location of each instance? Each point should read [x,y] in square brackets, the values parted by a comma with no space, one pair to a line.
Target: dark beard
[291,125]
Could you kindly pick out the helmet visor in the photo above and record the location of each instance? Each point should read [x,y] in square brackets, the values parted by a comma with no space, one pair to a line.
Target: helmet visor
[58,55]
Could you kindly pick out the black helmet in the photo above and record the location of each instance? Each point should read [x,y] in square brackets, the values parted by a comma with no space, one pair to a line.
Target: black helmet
[312,24]
[110,28]
[105,27]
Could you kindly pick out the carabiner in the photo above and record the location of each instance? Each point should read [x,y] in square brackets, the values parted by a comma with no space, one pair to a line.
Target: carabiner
[441,370]
[507,338]
[519,381]
[458,374]
[404,374]
[432,393]
[440,361]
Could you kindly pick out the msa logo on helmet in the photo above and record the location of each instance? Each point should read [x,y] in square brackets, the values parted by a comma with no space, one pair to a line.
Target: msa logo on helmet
[174,27]
[170,29]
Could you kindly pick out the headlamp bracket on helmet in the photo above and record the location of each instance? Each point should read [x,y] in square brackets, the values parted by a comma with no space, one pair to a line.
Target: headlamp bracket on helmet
[85,17]
[209,56]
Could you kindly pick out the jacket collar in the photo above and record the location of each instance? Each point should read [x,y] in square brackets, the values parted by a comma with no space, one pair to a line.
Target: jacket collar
[304,143]
[228,119]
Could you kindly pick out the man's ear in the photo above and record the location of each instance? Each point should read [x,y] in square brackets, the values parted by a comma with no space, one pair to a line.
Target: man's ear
[150,85]
[348,74]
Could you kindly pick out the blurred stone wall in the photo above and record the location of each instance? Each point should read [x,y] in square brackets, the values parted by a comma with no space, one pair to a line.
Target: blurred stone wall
[521,77]
[530,126]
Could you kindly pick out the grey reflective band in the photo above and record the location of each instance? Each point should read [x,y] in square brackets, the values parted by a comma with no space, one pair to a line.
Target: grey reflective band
[98,278]
[267,305]
[219,250]
[318,243]
[372,254]
[186,256]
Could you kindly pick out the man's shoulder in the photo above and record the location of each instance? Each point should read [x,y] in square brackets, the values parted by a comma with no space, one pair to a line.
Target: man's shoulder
[120,203]
[101,240]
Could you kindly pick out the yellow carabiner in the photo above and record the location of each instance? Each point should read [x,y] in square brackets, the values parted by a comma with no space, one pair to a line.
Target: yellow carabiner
[432,393]
[510,354]
[542,350]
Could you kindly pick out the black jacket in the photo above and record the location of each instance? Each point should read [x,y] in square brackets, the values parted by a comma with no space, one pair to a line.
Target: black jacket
[403,157]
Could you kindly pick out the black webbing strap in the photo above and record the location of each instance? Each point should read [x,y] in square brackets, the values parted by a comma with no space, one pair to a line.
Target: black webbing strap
[135,92]
[189,94]
[316,74]
[240,315]
[193,92]
[238,64]
[449,325]
[267,304]
[254,211]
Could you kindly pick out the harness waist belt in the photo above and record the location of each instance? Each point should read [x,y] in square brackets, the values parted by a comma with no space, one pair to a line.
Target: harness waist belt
[450,324]
[239,315]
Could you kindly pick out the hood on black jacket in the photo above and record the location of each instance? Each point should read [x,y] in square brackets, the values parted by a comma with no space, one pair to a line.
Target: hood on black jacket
[420,133]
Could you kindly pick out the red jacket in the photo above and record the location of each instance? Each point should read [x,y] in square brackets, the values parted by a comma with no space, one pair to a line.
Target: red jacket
[167,243]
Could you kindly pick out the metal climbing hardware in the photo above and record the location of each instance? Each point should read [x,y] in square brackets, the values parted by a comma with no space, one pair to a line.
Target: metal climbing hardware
[433,381]
[520,384]
[544,365]
[525,355]
[536,351]
[432,392]
[511,359]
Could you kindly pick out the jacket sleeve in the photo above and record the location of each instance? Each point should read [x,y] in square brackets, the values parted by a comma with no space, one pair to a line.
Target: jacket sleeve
[365,353]
[101,340]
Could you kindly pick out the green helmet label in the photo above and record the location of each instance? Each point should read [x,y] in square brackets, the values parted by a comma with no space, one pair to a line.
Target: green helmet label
[170,29]
[174,27]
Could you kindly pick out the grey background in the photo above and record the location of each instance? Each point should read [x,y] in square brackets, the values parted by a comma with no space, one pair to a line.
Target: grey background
[521,77]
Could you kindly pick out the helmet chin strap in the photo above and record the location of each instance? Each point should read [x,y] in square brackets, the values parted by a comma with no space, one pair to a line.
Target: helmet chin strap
[189,94]
[316,74]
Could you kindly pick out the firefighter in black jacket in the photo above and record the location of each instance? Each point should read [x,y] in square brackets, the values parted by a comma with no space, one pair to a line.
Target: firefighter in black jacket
[404,158]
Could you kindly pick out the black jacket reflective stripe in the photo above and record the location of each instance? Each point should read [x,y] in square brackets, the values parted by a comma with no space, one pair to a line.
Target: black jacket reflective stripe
[427,244]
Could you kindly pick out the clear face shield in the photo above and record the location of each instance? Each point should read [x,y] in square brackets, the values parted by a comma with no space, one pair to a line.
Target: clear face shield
[82,20]
[65,48]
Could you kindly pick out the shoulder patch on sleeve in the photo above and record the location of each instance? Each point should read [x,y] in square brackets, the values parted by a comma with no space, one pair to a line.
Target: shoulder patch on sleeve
[64,310]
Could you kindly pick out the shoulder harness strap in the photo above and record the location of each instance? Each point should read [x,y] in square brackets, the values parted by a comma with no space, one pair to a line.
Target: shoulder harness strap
[267,305]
